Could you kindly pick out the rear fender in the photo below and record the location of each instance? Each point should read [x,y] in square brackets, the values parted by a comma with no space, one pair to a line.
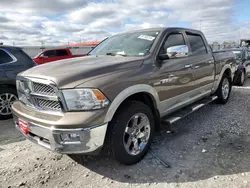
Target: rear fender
[219,77]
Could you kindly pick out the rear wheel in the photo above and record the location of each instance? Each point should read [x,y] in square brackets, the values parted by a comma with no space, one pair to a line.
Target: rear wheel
[224,89]
[130,132]
[7,97]
[242,78]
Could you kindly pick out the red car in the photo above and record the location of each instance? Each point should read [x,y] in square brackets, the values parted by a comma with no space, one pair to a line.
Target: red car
[54,55]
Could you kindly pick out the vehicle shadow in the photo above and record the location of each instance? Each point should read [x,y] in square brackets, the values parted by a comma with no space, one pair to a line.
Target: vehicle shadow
[8,133]
[211,142]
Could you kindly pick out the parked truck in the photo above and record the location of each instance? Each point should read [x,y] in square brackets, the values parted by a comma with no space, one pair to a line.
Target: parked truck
[50,55]
[121,93]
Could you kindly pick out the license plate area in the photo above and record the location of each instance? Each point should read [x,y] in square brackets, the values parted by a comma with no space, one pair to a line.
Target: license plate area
[24,126]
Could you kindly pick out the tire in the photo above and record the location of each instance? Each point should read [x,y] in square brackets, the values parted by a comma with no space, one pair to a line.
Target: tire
[122,131]
[5,103]
[221,91]
[242,78]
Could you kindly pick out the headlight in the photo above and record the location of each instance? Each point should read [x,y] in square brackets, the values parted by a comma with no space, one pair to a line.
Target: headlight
[84,99]
[23,91]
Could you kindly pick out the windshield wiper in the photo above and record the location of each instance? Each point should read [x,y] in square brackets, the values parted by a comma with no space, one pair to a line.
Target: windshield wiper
[114,54]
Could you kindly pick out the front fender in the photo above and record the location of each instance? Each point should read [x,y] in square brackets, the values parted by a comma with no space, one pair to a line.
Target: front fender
[123,95]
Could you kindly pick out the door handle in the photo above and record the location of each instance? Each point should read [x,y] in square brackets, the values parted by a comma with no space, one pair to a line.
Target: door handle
[196,67]
[209,62]
[188,66]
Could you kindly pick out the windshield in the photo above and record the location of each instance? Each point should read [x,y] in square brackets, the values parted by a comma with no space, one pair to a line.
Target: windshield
[129,44]
[238,54]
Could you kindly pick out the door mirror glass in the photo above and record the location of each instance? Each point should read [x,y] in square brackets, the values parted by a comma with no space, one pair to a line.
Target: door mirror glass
[177,51]
[43,56]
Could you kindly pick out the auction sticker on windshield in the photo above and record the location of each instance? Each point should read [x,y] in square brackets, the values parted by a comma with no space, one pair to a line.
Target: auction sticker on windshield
[146,37]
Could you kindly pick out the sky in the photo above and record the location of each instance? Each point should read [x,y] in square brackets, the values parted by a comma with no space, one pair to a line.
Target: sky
[56,22]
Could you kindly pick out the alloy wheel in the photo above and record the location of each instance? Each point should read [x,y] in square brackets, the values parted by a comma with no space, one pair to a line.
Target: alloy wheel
[137,133]
[225,88]
[242,77]
[6,100]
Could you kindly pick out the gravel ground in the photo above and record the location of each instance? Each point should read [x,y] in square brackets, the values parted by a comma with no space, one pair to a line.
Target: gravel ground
[209,148]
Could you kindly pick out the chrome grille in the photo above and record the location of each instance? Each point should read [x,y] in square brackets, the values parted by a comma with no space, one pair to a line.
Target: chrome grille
[38,95]
[43,89]
[48,104]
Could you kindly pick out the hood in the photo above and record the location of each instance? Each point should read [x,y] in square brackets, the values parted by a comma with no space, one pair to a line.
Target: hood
[71,72]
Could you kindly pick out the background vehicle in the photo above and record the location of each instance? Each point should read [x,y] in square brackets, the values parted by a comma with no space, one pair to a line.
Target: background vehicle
[118,95]
[12,61]
[54,55]
[245,43]
[243,64]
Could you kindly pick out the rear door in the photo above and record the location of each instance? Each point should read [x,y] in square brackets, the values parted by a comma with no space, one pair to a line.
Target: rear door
[62,54]
[173,79]
[202,62]
[9,67]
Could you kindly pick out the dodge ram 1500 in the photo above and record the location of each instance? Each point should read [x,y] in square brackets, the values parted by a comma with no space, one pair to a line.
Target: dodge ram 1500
[120,93]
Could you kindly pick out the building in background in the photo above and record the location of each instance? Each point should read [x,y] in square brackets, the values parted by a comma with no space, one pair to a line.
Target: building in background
[229,45]
[216,46]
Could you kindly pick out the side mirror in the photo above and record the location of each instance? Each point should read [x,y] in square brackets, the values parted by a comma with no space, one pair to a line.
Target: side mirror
[43,56]
[177,51]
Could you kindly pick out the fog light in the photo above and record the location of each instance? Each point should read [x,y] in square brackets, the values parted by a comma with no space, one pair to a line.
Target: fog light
[70,137]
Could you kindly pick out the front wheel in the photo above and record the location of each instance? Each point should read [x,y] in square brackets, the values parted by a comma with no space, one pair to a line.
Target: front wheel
[130,132]
[7,97]
[224,90]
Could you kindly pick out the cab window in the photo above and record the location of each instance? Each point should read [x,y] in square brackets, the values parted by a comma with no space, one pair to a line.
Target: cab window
[174,46]
[196,43]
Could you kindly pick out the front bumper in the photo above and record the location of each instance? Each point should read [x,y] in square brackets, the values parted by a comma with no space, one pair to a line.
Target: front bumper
[47,135]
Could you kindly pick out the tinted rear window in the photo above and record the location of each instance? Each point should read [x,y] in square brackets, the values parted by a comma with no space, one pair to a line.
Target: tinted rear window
[197,44]
[174,39]
[4,57]
[61,53]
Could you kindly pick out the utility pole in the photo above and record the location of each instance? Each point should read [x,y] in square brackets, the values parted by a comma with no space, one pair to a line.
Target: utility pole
[239,36]
[200,24]
[42,45]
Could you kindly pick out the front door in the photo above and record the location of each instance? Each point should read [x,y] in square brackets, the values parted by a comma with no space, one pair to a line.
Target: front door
[47,56]
[173,78]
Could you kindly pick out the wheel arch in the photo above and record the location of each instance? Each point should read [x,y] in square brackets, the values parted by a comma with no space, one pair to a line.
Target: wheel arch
[225,70]
[228,72]
[141,92]
[8,85]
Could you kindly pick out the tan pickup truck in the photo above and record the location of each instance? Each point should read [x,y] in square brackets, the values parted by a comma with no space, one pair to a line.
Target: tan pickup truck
[118,95]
